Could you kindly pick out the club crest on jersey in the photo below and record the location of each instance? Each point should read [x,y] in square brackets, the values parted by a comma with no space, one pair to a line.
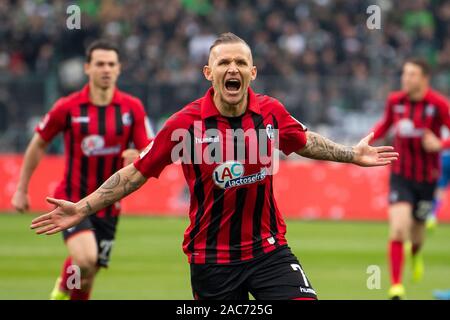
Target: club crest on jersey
[126,119]
[231,174]
[94,145]
[270,131]
[430,110]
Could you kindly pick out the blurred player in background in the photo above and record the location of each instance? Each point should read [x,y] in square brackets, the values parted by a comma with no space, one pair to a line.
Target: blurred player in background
[99,123]
[442,187]
[236,241]
[417,113]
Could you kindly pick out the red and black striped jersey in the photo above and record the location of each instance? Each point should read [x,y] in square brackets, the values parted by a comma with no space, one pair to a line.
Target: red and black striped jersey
[233,213]
[94,139]
[410,119]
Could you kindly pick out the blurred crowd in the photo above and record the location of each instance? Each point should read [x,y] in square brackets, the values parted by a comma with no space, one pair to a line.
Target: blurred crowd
[317,56]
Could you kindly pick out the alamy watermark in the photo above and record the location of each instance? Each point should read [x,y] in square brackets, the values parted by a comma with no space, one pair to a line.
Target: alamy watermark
[73,21]
[239,157]
[74,279]
[374,279]
[373,22]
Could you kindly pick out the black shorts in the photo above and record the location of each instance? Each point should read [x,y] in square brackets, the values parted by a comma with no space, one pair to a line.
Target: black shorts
[275,276]
[419,194]
[104,230]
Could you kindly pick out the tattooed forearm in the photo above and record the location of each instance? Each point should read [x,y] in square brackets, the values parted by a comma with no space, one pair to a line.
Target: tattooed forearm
[118,186]
[87,208]
[321,148]
[130,186]
[107,197]
[112,182]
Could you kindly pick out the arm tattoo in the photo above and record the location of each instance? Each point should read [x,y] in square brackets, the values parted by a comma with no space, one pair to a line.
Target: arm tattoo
[112,188]
[321,148]
[118,186]
[130,186]
[112,182]
[87,208]
[105,196]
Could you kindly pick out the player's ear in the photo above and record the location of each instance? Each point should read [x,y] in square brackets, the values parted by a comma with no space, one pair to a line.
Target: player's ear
[207,73]
[254,72]
[86,68]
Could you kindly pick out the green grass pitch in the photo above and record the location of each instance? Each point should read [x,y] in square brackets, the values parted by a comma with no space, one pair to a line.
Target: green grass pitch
[148,262]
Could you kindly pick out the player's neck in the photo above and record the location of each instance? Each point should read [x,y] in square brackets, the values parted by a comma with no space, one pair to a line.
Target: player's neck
[228,110]
[99,96]
[418,95]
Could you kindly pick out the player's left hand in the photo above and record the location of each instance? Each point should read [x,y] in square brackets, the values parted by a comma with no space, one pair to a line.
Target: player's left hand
[64,216]
[129,156]
[430,142]
[369,156]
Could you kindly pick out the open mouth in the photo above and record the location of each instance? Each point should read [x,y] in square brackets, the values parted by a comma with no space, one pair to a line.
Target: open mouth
[233,85]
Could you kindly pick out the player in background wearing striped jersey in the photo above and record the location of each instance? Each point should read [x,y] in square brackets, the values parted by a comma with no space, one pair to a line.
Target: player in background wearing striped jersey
[99,124]
[417,113]
[235,242]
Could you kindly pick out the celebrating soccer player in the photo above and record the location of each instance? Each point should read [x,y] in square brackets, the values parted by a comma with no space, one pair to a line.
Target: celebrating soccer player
[99,124]
[417,113]
[235,242]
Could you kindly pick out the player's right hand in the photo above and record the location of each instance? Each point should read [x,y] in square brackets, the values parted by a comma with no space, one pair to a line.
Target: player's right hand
[129,156]
[20,201]
[63,217]
[430,142]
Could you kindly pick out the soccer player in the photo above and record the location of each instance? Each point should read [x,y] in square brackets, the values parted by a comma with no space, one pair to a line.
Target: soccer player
[235,242]
[99,123]
[417,113]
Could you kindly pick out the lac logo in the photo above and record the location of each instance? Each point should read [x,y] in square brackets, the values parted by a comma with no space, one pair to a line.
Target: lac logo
[227,172]
[231,174]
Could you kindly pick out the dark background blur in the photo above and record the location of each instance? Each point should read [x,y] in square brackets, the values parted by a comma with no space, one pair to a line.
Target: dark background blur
[316,56]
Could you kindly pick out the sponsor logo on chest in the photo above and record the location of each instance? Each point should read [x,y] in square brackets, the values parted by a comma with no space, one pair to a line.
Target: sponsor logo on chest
[94,145]
[231,174]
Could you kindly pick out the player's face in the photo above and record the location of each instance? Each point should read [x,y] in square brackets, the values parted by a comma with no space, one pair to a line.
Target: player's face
[103,69]
[413,78]
[230,69]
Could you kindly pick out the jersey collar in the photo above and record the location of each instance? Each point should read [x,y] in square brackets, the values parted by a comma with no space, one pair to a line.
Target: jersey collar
[84,95]
[208,108]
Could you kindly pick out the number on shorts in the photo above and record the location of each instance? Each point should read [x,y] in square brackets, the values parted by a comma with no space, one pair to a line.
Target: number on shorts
[105,246]
[423,209]
[297,267]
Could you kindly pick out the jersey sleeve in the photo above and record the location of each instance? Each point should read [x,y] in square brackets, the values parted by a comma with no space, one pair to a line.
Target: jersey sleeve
[444,113]
[142,131]
[158,154]
[53,122]
[381,127]
[291,132]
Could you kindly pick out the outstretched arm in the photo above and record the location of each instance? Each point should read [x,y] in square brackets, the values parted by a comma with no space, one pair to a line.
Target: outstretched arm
[33,155]
[68,214]
[118,186]
[320,148]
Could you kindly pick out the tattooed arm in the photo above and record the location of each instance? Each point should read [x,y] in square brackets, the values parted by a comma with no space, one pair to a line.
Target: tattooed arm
[320,148]
[68,214]
[118,186]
